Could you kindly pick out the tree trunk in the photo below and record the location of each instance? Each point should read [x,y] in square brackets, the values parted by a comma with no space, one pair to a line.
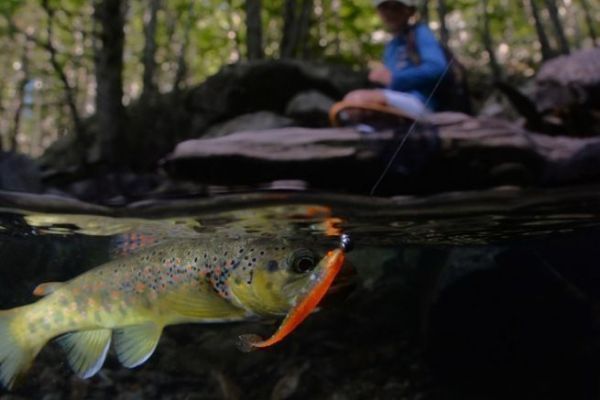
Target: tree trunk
[589,21]
[70,96]
[558,27]
[488,43]
[304,26]
[110,113]
[296,24]
[149,53]
[181,72]
[254,29]
[424,11]
[442,11]
[289,27]
[21,98]
[547,52]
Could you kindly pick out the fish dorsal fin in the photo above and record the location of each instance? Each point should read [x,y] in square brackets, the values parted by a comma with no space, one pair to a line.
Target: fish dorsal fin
[86,350]
[130,243]
[203,303]
[45,289]
[135,344]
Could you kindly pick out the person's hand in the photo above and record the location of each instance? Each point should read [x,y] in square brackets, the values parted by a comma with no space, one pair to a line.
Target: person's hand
[380,74]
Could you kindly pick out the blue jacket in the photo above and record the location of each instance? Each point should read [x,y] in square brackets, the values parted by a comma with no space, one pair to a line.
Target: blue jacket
[419,79]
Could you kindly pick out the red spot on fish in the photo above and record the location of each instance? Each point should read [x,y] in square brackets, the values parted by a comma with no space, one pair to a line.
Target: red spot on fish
[139,287]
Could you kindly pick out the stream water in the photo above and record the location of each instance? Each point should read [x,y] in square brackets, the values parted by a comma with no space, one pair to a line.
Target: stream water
[480,295]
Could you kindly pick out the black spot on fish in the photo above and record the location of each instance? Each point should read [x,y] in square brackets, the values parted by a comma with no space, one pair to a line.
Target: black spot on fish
[250,277]
[272,266]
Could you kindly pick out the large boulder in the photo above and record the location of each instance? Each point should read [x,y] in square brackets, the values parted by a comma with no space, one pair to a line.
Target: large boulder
[452,152]
[569,80]
[155,127]
[19,173]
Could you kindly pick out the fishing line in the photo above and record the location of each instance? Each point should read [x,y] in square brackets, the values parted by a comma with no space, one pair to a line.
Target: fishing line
[411,128]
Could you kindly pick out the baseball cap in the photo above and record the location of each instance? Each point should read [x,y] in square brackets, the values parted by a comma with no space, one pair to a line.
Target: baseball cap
[409,3]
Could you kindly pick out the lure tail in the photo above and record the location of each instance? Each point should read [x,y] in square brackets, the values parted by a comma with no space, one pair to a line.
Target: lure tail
[16,354]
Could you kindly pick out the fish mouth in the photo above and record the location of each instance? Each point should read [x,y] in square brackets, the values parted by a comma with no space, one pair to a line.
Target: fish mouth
[320,280]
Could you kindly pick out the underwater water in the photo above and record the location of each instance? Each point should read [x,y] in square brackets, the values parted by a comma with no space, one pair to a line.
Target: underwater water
[481,295]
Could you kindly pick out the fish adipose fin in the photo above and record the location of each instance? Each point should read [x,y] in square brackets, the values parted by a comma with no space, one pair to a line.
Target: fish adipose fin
[135,344]
[15,359]
[86,350]
[202,303]
[45,289]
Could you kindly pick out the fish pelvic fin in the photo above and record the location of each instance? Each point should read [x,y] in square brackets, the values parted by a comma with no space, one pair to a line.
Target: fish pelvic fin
[16,351]
[86,350]
[135,344]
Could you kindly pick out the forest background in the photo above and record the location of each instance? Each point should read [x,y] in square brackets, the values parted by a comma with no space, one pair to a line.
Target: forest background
[64,61]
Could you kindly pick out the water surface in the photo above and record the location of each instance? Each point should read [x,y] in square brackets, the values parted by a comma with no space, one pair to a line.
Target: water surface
[463,295]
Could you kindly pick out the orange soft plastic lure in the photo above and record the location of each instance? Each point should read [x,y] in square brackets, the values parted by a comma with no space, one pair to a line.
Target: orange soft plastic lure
[321,282]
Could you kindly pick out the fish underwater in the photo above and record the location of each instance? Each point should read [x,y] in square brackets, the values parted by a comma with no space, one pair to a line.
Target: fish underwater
[128,301]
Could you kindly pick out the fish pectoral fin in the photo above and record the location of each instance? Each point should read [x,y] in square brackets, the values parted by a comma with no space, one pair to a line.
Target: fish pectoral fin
[45,289]
[202,303]
[135,344]
[86,350]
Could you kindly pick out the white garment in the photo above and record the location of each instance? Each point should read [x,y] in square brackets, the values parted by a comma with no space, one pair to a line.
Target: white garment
[406,102]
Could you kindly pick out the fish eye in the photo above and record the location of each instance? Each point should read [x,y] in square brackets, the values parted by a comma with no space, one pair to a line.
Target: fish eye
[303,260]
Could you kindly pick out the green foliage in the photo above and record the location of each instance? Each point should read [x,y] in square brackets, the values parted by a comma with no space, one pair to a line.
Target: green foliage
[212,33]
[8,7]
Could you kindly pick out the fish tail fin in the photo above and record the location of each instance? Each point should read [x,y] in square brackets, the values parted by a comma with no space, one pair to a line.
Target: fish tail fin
[16,354]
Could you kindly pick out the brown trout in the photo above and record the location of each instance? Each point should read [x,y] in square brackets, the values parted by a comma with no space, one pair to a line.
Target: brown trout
[129,301]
